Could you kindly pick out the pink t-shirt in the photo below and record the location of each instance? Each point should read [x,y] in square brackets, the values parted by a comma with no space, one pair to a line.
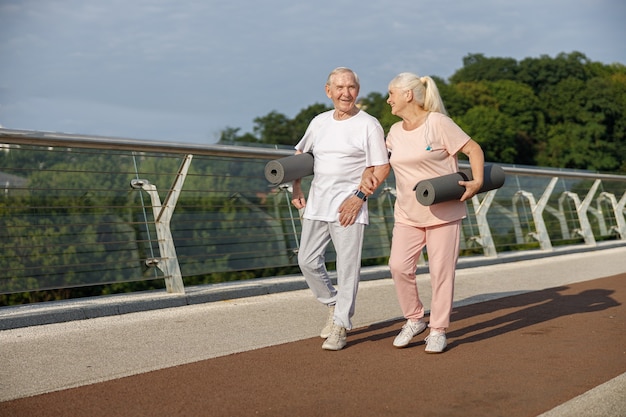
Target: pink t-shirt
[424,153]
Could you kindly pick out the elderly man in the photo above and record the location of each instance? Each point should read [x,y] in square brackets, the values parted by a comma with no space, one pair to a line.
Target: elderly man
[345,142]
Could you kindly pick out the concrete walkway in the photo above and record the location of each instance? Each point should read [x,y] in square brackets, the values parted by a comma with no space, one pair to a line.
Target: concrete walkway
[57,356]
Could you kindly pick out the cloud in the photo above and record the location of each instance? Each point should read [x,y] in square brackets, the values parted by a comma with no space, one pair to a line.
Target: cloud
[140,67]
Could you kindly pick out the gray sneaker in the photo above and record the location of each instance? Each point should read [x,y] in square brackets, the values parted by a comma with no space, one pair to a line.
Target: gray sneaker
[337,338]
[436,343]
[409,330]
[329,323]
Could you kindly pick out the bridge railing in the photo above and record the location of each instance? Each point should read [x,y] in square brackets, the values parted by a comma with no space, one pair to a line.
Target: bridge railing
[80,210]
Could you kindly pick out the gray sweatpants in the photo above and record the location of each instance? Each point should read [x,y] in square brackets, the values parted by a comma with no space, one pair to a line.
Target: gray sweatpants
[348,243]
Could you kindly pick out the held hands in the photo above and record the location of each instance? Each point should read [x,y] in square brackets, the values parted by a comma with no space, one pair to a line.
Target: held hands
[471,188]
[369,182]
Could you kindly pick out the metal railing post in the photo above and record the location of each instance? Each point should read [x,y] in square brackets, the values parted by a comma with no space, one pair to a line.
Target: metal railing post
[618,209]
[168,263]
[541,233]
[581,211]
[481,209]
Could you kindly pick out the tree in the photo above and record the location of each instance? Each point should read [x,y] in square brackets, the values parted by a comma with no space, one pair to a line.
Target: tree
[376,105]
[455,101]
[476,67]
[544,72]
[304,117]
[493,130]
[230,136]
[584,119]
[575,146]
[274,128]
[523,109]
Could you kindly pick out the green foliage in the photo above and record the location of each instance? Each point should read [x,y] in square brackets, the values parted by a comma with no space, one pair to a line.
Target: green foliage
[564,111]
[493,130]
[476,67]
[375,104]
[543,72]
[275,128]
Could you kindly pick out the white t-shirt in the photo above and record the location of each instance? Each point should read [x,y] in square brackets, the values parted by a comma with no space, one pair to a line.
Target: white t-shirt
[342,149]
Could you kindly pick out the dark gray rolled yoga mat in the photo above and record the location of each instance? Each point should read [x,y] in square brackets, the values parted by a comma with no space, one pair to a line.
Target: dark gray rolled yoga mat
[447,188]
[289,168]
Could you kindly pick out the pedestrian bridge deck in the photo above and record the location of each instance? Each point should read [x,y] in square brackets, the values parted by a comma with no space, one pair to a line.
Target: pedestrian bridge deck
[528,337]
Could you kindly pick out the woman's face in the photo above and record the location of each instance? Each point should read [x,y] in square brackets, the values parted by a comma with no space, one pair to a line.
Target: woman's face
[398,100]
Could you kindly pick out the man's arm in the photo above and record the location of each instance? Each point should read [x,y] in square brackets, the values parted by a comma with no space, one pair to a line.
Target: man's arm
[297,196]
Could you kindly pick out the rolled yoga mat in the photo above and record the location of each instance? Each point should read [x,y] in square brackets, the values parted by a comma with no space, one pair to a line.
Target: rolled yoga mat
[447,188]
[289,168]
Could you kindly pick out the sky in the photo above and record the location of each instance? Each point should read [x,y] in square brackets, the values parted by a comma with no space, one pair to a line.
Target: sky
[185,70]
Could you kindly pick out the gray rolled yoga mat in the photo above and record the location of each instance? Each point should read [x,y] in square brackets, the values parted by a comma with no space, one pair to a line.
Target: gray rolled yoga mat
[447,188]
[289,168]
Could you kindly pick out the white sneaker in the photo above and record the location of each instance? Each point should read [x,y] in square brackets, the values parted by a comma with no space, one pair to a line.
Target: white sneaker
[436,342]
[409,330]
[329,323]
[337,338]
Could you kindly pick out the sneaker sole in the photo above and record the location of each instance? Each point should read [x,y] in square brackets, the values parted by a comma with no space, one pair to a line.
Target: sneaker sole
[333,348]
[436,351]
[402,346]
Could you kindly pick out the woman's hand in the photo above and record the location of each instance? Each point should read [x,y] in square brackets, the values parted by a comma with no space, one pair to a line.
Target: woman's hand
[369,181]
[471,188]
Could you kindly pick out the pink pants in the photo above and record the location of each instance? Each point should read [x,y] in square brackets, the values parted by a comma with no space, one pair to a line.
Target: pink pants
[442,244]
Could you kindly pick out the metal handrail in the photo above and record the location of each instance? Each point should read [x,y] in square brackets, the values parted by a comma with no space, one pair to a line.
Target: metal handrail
[39,138]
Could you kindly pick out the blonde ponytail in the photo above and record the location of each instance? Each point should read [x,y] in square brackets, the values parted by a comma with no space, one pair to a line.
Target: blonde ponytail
[425,91]
[432,98]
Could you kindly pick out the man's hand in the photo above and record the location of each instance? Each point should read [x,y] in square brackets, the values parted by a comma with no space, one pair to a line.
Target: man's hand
[299,202]
[349,209]
[297,196]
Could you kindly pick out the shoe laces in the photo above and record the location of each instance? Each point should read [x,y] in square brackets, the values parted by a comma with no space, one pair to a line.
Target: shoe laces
[435,337]
[336,332]
[410,327]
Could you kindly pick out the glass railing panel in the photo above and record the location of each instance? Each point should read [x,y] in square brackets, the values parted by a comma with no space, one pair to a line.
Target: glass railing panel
[72,213]
[71,219]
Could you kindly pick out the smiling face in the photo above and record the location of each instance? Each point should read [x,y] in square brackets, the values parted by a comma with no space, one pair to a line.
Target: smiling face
[343,90]
[398,100]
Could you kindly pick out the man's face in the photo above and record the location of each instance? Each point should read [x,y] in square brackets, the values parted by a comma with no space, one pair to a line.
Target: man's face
[343,91]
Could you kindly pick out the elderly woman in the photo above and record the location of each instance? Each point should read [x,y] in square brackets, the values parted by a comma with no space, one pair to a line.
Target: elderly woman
[425,145]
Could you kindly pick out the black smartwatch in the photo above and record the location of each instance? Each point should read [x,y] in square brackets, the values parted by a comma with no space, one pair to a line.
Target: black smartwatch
[360,194]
